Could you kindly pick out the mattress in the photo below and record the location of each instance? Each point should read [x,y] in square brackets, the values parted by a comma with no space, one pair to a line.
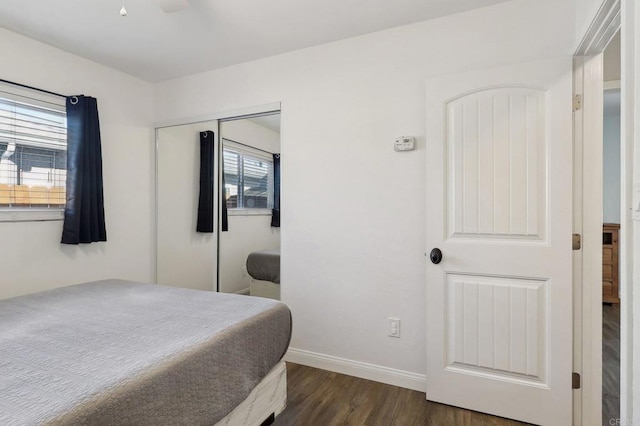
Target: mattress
[264,265]
[116,352]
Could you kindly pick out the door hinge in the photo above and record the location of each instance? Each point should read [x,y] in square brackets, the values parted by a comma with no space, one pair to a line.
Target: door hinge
[575,381]
[577,102]
[577,241]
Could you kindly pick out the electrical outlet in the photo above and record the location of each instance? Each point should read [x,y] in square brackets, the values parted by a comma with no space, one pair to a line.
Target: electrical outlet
[394,327]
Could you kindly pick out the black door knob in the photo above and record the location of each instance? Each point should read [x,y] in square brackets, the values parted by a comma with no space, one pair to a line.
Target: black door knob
[436,256]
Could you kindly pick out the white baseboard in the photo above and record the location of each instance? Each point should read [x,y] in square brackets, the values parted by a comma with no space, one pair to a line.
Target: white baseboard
[244,291]
[377,373]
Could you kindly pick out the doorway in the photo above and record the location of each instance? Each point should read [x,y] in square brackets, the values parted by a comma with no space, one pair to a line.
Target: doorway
[601,218]
[611,196]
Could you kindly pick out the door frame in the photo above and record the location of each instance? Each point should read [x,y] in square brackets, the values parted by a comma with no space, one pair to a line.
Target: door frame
[588,204]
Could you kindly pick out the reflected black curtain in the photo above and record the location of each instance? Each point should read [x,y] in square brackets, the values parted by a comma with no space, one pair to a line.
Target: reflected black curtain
[225,214]
[84,210]
[205,202]
[275,215]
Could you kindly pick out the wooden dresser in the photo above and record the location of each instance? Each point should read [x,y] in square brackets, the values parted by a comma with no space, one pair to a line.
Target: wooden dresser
[610,263]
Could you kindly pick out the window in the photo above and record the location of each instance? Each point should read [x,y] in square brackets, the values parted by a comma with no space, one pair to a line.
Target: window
[33,151]
[248,178]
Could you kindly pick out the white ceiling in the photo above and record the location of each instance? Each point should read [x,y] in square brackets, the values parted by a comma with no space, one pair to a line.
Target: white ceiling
[208,34]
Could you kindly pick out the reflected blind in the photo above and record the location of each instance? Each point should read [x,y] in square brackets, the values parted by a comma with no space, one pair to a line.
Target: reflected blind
[248,179]
[33,150]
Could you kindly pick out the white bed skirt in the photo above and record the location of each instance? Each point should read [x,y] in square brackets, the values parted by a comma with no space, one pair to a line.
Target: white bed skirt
[268,397]
[267,289]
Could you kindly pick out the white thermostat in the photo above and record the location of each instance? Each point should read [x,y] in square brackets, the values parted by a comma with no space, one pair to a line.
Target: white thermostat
[404,143]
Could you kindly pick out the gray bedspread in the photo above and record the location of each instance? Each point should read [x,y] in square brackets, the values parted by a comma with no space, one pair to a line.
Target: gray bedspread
[264,265]
[121,353]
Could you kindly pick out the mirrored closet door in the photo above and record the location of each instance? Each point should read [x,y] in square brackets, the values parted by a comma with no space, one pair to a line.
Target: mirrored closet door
[249,244]
[217,204]
[185,257]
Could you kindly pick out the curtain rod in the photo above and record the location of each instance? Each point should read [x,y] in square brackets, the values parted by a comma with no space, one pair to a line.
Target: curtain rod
[248,146]
[32,88]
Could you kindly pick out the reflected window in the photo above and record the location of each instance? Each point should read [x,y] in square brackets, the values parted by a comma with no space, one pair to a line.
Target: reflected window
[248,179]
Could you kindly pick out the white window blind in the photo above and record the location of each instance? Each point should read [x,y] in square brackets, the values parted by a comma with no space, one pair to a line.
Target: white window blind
[248,178]
[33,150]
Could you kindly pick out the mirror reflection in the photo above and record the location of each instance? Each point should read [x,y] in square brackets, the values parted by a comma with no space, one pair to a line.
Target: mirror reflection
[218,205]
[184,257]
[249,245]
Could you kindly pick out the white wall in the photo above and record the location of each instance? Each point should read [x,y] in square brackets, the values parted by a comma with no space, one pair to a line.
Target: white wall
[246,233]
[31,256]
[611,157]
[353,216]
[612,60]
[248,132]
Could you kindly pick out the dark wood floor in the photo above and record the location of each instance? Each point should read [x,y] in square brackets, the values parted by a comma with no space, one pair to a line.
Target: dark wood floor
[610,363]
[322,398]
[319,397]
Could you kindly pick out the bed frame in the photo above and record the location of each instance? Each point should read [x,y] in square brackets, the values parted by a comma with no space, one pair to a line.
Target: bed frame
[265,402]
[116,351]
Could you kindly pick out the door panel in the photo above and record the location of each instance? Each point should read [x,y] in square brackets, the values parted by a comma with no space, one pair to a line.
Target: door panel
[184,257]
[499,317]
[496,323]
[496,152]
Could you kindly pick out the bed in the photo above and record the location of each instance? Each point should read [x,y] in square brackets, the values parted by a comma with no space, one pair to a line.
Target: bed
[263,267]
[117,352]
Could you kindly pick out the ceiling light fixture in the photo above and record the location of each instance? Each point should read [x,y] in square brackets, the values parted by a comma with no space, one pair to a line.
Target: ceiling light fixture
[123,10]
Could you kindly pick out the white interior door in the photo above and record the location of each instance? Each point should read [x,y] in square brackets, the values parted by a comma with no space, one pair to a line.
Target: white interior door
[184,257]
[499,191]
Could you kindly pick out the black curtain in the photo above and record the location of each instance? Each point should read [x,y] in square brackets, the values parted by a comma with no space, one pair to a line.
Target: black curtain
[205,202]
[84,210]
[225,214]
[275,213]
